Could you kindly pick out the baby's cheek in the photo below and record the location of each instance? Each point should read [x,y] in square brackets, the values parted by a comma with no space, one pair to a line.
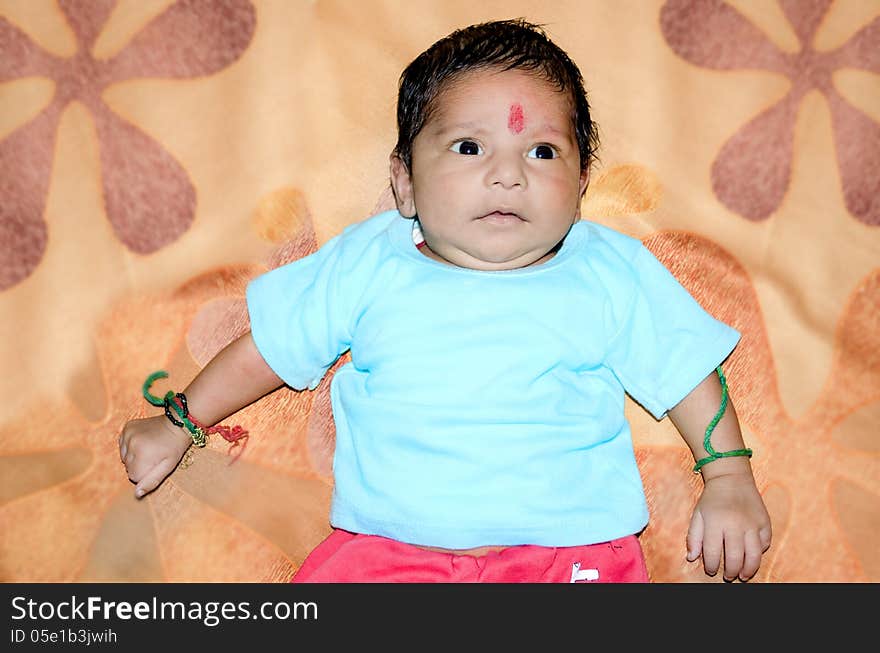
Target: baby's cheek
[449,188]
[561,186]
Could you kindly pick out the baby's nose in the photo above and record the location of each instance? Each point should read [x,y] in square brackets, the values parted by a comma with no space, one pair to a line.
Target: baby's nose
[506,172]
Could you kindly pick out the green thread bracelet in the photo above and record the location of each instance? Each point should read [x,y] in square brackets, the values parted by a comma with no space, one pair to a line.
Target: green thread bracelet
[707,444]
[175,402]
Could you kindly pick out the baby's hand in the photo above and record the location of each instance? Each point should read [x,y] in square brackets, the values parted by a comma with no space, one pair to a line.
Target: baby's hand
[150,450]
[730,519]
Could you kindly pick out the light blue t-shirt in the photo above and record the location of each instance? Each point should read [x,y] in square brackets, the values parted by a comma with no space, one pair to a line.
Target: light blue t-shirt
[479,407]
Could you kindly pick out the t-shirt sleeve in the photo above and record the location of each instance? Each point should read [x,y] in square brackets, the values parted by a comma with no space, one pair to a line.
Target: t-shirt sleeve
[300,315]
[666,343]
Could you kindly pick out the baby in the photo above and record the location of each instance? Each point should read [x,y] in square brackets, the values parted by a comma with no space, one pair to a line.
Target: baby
[480,429]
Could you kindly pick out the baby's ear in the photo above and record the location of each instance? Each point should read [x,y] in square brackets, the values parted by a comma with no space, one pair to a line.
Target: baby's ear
[401,184]
[582,187]
[584,181]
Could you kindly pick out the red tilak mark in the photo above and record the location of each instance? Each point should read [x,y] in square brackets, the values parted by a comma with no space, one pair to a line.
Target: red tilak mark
[516,121]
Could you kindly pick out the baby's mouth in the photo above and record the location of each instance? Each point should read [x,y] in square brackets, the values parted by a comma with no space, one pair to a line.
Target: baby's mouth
[501,217]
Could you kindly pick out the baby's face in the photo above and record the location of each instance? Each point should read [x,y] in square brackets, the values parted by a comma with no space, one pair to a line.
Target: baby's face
[495,180]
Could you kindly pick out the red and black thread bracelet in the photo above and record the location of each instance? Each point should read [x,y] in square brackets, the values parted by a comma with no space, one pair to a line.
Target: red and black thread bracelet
[175,403]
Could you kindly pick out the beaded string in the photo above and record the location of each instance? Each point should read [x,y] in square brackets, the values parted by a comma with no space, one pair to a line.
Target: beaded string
[176,403]
[707,444]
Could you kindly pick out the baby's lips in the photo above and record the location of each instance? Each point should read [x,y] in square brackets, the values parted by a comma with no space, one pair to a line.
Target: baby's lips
[502,213]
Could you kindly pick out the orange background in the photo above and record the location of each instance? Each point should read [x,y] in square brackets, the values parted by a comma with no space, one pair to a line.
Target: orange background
[154,156]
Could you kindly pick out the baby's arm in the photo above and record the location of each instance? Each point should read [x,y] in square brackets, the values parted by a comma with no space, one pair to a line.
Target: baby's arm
[730,518]
[237,376]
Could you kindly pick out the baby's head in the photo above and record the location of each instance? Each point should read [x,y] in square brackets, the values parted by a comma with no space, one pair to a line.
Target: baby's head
[495,143]
[498,45]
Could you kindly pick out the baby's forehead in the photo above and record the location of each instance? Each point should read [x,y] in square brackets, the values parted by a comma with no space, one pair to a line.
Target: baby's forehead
[465,85]
[496,76]
[514,95]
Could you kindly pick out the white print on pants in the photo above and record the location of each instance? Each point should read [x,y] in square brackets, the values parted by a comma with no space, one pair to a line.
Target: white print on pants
[578,574]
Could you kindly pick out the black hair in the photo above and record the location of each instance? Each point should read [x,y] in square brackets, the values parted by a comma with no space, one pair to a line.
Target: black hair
[506,45]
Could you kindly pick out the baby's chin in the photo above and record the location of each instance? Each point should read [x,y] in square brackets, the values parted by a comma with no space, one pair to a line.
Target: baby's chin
[492,260]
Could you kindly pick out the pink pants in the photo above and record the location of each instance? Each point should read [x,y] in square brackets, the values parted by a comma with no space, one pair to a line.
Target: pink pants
[346,557]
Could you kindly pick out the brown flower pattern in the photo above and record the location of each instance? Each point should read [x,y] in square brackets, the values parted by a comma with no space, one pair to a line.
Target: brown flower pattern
[148,196]
[752,171]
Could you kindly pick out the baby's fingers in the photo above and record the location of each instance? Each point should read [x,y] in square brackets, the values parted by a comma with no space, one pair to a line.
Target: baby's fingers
[752,558]
[694,539]
[765,535]
[713,547]
[124,437]
[734,552]
[154,477]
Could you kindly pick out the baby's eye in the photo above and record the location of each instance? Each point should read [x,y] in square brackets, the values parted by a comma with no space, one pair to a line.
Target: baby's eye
[466,147]
[542,152]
